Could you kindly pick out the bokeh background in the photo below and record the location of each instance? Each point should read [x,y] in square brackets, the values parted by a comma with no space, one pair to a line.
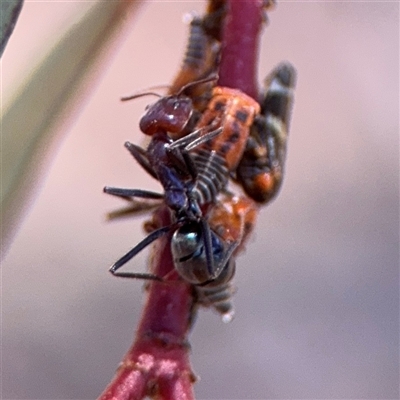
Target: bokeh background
[318,300]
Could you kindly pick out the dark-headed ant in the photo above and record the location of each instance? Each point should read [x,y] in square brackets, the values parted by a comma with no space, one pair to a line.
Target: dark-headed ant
[169,161]
[193,169]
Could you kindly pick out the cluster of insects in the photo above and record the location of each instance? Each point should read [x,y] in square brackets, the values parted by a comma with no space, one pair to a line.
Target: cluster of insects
[202,137]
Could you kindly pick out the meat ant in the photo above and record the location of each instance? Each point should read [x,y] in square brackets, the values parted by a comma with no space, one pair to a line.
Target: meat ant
[169,162]
[177,174]
[195,180]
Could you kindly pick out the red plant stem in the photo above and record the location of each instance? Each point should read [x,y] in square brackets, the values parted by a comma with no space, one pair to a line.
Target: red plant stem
[240,42]
[158,364]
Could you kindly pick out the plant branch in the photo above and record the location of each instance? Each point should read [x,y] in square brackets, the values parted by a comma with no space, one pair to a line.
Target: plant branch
[158,364]
[240,43]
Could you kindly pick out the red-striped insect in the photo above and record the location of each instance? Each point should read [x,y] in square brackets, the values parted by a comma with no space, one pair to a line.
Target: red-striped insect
[260,171]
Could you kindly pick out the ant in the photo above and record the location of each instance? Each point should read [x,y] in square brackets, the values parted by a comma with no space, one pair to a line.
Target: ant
[169,161]
[195,180]
[177,174]
[260,171]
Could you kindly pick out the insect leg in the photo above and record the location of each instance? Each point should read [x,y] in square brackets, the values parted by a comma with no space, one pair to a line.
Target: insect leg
[191,165]
[208,249]
[185,140]
[133,209]
[140,155]
[138,275]
[139,247]
[228,253]
[128,193]
[184,144]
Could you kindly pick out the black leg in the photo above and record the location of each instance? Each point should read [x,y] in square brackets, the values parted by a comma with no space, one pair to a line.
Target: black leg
[191,166]
[228,253]
[222,264]
[208,247]
[134,209]
[186,155]
[181,159]
[139,247]
[129,193]
[140,156]
[178,159]
[138,275]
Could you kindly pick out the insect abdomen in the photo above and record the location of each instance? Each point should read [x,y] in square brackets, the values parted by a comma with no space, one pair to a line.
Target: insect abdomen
[212,176]
[234,111]
[260,171]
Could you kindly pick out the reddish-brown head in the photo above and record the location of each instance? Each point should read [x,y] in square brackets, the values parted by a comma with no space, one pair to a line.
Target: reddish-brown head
[170,114]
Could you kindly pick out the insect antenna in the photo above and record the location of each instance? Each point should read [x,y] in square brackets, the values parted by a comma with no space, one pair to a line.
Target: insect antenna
[182,89]
[137,95]
[198,82]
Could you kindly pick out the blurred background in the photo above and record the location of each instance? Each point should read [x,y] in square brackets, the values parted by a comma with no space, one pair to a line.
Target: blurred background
[317,310]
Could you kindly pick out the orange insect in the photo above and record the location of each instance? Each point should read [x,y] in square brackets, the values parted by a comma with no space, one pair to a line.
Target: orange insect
[201,61]
[230,113]
[260,171]
[234,112]
[232,219]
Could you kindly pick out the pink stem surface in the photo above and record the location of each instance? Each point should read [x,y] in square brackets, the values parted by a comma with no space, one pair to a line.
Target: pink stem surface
[240,43]
[157,364]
